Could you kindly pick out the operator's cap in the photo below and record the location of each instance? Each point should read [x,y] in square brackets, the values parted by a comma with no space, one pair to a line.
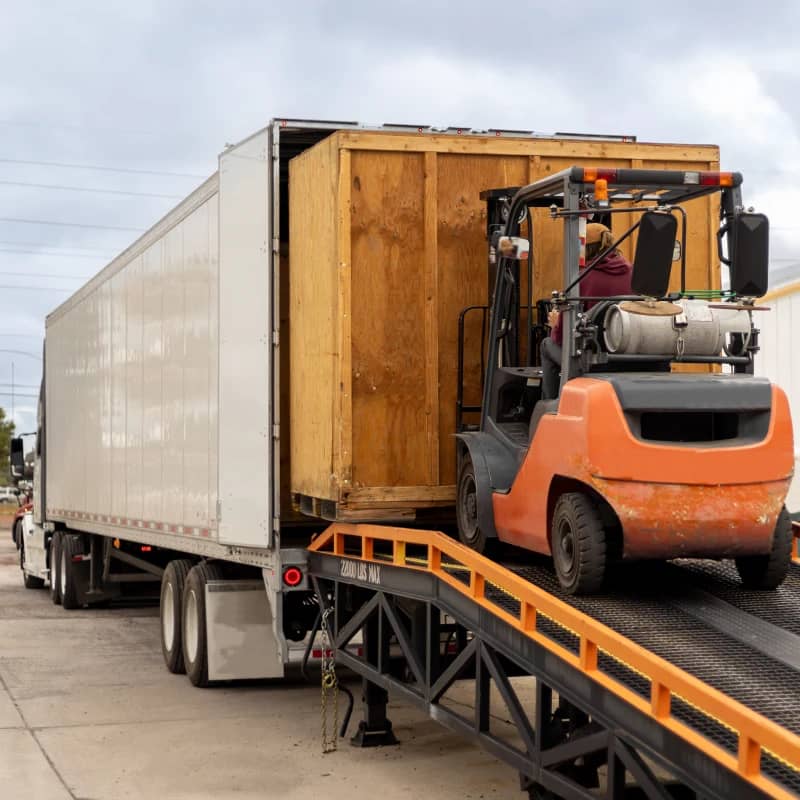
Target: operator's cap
[595,232]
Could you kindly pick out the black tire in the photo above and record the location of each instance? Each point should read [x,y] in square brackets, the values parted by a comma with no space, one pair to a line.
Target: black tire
[16,532]
[30,581]
[768,571]
[55,568]
[469,531]
[578,543]
[71,545]
[193,621]
[170,613]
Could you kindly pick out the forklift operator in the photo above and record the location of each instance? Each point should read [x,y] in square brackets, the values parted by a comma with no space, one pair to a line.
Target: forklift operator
[609,278]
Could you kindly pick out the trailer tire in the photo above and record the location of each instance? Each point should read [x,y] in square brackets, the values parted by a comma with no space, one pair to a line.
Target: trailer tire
[193,621]
[30,581]
[578,544]
[170,613]
[768,571]
[17,533]
[68,585]
[55,568]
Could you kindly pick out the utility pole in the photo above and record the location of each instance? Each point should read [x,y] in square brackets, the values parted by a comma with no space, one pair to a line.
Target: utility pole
[12,391]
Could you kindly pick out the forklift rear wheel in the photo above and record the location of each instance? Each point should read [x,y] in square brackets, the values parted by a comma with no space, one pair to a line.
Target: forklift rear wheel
[578,542]
[469,531]
[768,571]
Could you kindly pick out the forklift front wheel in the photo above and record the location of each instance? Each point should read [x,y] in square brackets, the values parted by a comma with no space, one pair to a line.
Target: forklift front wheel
[578,542]
[469,530]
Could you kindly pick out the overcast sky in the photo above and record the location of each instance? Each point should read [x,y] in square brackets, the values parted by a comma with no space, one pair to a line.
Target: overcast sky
[162,86]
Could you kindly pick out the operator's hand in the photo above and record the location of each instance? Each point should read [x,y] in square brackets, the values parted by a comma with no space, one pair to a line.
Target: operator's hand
[552,318]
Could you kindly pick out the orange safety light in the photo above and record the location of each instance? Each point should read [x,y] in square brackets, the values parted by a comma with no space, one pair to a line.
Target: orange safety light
[601,191]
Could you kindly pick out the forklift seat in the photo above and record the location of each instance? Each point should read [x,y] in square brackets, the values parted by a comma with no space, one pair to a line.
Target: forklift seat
[539,410]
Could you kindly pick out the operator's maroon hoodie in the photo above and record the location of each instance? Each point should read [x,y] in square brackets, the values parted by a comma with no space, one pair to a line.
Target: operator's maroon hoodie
[612,276]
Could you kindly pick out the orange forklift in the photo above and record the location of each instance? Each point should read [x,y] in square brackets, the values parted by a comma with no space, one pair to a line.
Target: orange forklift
[633,460]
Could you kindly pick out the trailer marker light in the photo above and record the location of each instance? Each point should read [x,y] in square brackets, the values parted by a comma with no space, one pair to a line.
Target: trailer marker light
[146,548]
[708,178]
[592,174]
[292,576]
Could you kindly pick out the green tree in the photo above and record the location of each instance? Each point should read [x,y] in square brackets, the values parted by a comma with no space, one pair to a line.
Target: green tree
[7,429]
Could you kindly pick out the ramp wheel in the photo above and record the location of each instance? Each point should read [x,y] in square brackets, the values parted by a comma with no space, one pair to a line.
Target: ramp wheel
[768,571]
[578,542]
[469,531]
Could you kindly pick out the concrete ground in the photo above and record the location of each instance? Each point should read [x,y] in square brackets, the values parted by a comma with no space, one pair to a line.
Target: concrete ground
[88,710]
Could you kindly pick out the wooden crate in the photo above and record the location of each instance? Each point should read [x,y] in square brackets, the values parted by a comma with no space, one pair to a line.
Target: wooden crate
[387,244]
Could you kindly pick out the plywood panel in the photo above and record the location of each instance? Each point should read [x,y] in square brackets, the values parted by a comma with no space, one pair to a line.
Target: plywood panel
[388,312]
[313,310]
[463,276]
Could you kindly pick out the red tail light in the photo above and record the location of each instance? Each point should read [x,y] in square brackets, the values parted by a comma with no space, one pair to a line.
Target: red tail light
[146,548]
[292,576]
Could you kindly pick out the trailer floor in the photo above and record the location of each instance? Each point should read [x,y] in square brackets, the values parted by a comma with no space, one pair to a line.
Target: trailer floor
[88,710]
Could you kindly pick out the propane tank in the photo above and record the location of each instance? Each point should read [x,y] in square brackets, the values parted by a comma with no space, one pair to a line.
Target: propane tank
[697,331]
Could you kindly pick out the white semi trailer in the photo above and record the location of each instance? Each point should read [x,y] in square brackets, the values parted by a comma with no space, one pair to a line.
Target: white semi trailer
[158,445]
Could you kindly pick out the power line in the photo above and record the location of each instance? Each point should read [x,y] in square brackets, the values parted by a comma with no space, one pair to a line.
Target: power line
[27,274]
[17,394]
[38,289]
[101,168]
[21,352]
[17,243]
[90,189]
[70,224]
[45,253]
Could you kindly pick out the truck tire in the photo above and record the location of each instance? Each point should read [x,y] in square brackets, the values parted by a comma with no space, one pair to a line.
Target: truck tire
[30,581]
[578,544]
[170,608]
[193,621]
[55,568]
[768,571]
[469,531]
[16,533]
[68,585]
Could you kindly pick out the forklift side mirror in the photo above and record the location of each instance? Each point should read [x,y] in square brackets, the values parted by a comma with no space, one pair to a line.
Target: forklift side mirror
[750,259]
[17,454]
[655,248]
[515,247]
